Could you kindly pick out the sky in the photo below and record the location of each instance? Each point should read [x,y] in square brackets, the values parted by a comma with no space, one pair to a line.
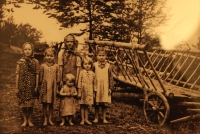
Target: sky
[50,27]
[183,26]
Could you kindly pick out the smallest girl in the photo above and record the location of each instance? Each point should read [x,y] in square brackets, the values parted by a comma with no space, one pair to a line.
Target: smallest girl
[49,77]
[86,88]
[67,102]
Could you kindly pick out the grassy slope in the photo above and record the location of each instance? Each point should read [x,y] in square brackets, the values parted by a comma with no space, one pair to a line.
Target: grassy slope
[125,114]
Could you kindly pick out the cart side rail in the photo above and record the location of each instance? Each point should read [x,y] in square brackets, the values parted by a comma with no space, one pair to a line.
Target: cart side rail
[177,67]
[128,66]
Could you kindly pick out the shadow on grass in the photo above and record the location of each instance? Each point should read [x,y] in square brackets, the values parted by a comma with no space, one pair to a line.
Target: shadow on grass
[127,98]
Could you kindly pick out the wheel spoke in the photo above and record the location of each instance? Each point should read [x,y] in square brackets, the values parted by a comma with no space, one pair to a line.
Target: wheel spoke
[152,116]
[156,108]
[159,118]
[159,103]
[151,103]
[161,114]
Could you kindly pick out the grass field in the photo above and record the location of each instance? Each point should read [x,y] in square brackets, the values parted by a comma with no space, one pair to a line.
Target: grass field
[125,114]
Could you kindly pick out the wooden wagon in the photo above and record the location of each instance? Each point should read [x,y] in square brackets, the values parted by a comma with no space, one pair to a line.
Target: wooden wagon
[167,79]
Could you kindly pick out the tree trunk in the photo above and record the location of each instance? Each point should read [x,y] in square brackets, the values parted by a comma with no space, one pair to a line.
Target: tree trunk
[90,23]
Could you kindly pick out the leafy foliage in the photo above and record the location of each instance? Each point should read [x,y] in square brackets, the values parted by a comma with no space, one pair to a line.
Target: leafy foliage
[16,35]
[1,9]
[116,20]
[6,31]
[25,32]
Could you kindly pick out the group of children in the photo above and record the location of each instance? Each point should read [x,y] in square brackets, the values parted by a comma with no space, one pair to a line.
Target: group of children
[73,78]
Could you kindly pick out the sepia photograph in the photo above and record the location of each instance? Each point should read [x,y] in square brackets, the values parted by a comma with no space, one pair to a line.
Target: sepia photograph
[100,66]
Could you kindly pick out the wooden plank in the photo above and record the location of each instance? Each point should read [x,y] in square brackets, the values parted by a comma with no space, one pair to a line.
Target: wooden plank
[192,50]
[118,44]
[186,118]
[176,90]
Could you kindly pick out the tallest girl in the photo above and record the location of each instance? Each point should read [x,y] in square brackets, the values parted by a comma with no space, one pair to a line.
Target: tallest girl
[68,60]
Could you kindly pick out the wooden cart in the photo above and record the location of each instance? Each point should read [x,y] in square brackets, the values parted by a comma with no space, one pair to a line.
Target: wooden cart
[166,79]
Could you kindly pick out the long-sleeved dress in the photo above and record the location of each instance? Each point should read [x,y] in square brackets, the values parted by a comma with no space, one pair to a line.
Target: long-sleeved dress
[68,103]
[49,76]
[87,85]
[27,69]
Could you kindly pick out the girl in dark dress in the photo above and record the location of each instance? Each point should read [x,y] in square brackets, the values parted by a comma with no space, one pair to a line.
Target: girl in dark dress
[27,75]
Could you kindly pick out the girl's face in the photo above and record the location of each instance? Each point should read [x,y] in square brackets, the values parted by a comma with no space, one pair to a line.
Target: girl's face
[69,42]
[50,57]
[101,56]
[86,65]
[28,50]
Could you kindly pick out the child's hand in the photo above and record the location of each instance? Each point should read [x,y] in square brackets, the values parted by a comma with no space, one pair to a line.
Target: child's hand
[109,91]
[57,91]
[68,94]
[73,94]
[79,95]
[16,90]
[36,89]
[94,95]
[61,83]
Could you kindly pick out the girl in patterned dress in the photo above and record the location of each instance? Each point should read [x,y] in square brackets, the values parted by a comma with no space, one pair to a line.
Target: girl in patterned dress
[49,78]
[67,102]
[104,77]
[86,88]
[27,76]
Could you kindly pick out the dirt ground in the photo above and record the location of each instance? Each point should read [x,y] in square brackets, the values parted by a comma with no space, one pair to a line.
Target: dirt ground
[125,115]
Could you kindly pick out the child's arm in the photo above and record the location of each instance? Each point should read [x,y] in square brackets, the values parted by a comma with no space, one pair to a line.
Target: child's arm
[79,92]
[111,82]
[95,85]
[62,93]
[41,74]
[61,75]
[17,76]
[74,92]
[37,81]
[78,65]
[57,78]
[37,76]
[77,76]
[80,84]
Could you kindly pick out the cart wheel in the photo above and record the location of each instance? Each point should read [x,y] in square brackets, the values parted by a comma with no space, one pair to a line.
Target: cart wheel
[156,108]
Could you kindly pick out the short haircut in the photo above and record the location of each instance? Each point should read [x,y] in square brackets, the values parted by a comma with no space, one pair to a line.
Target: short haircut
[50,49]
[70,77]
[100,49]
[87,59]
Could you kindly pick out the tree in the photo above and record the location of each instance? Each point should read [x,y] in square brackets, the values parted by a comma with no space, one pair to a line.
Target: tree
[24,33]
[13,34]
[7,30]
[1,9]
[116,20]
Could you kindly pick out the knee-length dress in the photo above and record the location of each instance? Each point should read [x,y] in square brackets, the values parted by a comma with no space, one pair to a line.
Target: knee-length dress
[27,69]
[49,76]
[104,82]
[68,103]
[87,85]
